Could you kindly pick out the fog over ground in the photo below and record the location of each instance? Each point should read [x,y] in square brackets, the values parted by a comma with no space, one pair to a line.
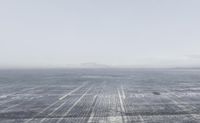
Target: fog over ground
[66,33]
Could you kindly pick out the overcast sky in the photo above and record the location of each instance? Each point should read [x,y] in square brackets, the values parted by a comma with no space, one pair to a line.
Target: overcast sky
[59,33]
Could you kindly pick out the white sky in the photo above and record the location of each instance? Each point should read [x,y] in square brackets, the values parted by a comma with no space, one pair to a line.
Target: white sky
[56,33]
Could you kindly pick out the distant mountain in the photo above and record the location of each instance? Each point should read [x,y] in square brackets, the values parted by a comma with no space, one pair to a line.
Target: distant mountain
[188,68]
[93,65]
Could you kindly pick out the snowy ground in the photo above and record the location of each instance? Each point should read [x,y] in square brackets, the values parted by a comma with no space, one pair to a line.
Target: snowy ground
[100,96]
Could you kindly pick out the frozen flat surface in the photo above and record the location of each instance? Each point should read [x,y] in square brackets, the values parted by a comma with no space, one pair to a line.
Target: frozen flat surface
[100,96]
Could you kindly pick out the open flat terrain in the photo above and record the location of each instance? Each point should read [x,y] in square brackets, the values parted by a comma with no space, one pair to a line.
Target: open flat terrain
[100,96]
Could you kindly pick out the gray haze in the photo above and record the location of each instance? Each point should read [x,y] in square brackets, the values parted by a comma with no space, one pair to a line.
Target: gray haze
[62,33]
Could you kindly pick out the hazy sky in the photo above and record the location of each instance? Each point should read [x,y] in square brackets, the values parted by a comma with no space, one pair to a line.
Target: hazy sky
[58,33]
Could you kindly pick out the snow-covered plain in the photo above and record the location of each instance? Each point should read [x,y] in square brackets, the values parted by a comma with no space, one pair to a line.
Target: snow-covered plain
[100,96]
